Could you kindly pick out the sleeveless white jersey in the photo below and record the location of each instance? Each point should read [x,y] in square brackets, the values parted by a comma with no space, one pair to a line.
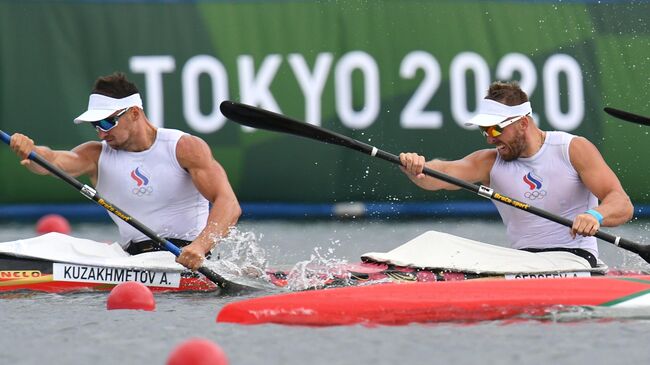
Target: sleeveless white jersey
[546,180]
[153,188]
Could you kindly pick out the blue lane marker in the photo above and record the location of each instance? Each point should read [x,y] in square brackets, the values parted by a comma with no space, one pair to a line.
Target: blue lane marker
[93,213]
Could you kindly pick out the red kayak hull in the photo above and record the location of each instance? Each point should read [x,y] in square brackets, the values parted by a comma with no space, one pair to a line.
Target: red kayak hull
[403,303]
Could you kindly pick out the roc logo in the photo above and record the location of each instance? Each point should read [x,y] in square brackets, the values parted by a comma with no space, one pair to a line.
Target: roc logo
[535,190]
[142,181]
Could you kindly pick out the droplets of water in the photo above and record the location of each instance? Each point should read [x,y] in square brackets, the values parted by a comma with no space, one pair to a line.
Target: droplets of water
[239,257]
[320,270]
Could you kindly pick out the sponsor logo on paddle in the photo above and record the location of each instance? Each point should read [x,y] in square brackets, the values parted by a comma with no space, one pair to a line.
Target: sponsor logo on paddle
[510,201]
[111,275]
[535,191]
[141,179]
[113,210]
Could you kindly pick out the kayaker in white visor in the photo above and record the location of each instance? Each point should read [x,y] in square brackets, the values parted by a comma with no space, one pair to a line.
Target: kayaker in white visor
[163,177]
[555,171]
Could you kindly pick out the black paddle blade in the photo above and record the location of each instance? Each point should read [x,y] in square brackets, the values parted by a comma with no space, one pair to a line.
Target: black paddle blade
[251,116]
[254,117]
[627,116]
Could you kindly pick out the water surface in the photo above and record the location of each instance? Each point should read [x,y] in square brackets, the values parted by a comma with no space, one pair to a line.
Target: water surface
[77,329]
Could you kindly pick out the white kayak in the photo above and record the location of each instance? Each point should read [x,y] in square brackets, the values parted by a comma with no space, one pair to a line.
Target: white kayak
[57,262]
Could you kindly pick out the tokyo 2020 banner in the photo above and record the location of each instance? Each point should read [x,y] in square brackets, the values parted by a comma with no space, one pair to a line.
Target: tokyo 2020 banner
[401,75]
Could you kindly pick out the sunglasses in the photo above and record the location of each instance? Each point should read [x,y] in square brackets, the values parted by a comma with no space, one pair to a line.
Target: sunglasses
[109,123]
[496,130]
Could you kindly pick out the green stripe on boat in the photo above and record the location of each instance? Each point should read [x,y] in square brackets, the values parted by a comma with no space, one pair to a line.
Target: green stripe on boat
[636,280]
[631,296]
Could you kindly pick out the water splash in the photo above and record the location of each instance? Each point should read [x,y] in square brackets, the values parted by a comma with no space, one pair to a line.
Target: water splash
[632,261]
[240,259]
[317,272]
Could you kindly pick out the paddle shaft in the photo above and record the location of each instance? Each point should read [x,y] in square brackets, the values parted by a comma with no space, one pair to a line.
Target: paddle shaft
[91,194]
[627,116]
[264,119]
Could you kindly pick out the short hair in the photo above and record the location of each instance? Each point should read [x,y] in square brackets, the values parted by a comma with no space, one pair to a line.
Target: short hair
[114,85]
[508,93]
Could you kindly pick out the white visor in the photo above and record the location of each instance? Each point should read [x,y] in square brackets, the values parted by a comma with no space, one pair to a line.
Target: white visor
[102,106]
[492,112]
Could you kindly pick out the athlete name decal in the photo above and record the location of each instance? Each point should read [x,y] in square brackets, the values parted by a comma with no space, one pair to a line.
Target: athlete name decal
[111,275]
[555,275]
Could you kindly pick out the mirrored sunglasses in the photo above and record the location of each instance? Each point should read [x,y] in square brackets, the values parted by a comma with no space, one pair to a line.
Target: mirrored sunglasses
[497,130]
[109,123]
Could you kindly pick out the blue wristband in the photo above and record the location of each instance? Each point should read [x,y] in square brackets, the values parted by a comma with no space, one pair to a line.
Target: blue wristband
[596,215]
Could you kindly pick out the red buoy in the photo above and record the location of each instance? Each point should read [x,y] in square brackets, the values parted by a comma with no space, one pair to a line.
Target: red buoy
[131,295]
[198,351]
[52,223]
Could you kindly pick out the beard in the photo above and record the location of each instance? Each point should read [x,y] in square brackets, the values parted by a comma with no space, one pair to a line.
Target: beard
[514,148]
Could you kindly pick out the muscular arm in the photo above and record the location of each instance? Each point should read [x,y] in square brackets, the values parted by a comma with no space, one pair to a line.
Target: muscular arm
[615,205]
[474,168]
[211,181]
[82,160]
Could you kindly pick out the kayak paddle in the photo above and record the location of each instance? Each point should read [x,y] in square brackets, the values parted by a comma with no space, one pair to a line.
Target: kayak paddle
[263,119]
[627,116]
[91,194]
